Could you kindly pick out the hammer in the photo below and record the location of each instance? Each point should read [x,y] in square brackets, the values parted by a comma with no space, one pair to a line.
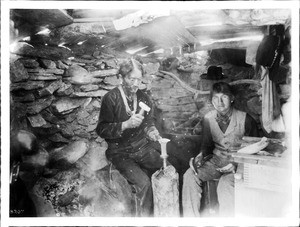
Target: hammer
[144,108]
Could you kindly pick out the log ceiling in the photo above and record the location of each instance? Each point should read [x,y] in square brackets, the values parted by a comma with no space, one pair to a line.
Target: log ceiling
[181,28]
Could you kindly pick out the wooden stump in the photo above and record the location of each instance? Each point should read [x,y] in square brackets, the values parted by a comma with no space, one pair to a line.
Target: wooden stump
[165,192]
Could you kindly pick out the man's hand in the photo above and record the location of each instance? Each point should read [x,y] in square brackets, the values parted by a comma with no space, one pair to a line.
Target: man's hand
[153,134]
[230,168]
[133,122]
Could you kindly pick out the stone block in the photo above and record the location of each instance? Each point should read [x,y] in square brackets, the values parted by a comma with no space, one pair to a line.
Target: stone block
[65,90]
[18,72]
[70,153]
[66,105]
[89,87]
[95,158]
[36,120]
[112,80]
[75,71]
[29,85]
[67,131]
[39,105]
[99,93]
[61,65]
[30,63]
[25,98]
[50,117]
[47,64]
[33,76]
[50,89]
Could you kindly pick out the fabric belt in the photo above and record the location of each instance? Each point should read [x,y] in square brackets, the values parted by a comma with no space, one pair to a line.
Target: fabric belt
[133,146]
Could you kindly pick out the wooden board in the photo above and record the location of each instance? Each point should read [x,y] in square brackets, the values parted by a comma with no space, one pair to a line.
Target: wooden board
[260,160]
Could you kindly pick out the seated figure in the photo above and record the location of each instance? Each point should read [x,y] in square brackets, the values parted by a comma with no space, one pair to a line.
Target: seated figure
[129,134]
[223,127]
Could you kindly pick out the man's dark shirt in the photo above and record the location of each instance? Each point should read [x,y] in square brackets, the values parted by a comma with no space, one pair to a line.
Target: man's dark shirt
[113,113]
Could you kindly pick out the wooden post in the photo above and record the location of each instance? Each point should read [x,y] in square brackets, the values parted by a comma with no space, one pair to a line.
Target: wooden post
[165,192]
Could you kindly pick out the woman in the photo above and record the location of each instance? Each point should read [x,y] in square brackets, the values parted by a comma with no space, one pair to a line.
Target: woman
[223,127]
[128,134]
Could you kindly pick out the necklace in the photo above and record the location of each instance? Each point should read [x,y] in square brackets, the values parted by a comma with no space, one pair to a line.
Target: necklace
[128,110]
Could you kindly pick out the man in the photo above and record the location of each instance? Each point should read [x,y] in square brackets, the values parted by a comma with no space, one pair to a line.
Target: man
[222,130]
[128,134]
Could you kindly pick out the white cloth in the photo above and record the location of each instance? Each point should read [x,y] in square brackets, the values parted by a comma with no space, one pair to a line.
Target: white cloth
[270,101]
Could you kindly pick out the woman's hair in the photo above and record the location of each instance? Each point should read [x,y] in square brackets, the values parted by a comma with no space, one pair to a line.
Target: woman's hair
[221,87]
[129,65]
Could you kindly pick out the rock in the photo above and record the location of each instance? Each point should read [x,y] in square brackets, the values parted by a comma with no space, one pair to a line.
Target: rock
[39,105]
[48,52]
[66,105]
[105,73]
[96,53]
[18,72]
[106,193]
[95,158]
[61,65]
[67,132]
[33,76]
[106,87]
[91,128]
[70,153]
[37,161]
[82,114]
[58,138]
[96,104]
[36,120]
[48,116]
[67,198]
[99,93]
[29,85]
[25,98]
[176,101]
[179,108]
[82,133]
[45,72]
[29,63]
[78,80]
[60,192]
[89,87]
[65,90]
[111,63]
[75,71]
[49,90]
[151,68]
[46,130]
[67,62]
[71,117]
[47,64]
[112,80]
[162,83]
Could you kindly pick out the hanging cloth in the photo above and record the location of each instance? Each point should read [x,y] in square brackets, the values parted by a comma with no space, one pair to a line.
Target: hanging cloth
[128,110]
[270,101]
